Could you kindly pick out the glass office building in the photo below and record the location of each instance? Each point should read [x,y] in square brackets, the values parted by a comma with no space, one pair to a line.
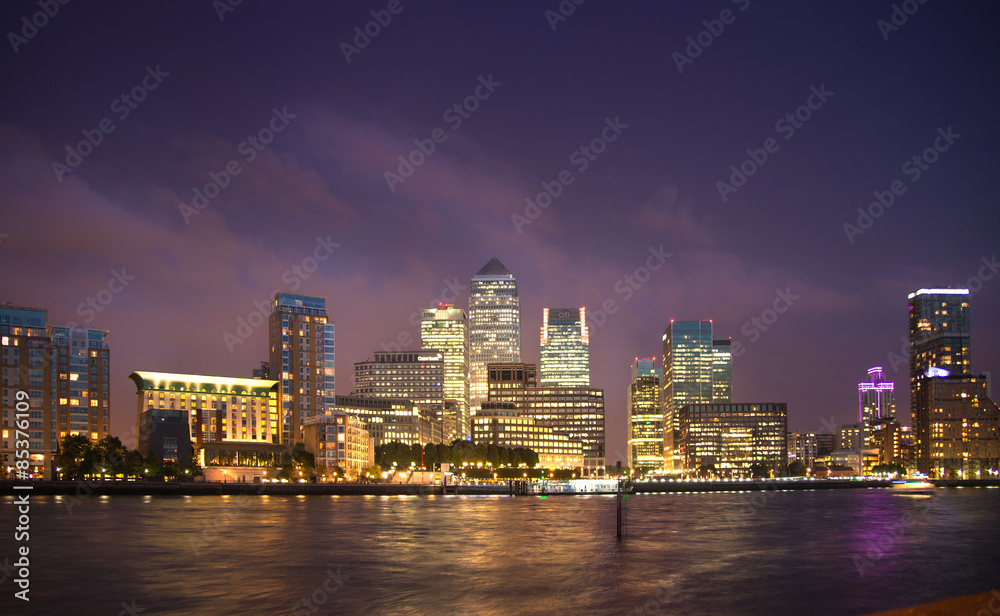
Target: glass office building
[565,342]
[494,324]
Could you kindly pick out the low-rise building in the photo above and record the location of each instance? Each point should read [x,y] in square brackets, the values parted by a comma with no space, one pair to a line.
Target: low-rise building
[499,424]
[339,440]
[734,437]
[230,425]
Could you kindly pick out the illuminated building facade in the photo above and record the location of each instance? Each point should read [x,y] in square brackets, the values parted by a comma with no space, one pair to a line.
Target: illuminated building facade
[887,438]
[392,419]
[417,376]
[565,342]
[83,398]
[504,427]
[446,329]
[494,324]
[577,412]
[231,425]
[27,366]
[733,438]
[302,358]
[940,345]
[696,368]
[645,417]
[339,440]
[962,425]
[875,402]
[802,446]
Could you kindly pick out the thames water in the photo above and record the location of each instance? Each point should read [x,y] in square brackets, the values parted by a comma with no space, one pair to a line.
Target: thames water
[783,552]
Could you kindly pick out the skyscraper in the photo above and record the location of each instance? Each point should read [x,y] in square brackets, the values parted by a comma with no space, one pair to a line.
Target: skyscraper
[446,329]
[28,367]
[645,417]
[955,422]
[875,403]
[565,342]
[302,359]
[494,324]
[83,399]
[939,346]
[696,369]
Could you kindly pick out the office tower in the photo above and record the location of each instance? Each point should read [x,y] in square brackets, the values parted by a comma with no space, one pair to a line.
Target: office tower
[501,424]
[577,412]
[417,376]
[565,342]
[83,398]
[736,440]
[27,367]
[802,446]
[231,426]
[722,369]
[940,345]
[494,324]
[875,402]
[696,369]
[961,427]
[446,329]
[645,417]
[394,420]
[301,357]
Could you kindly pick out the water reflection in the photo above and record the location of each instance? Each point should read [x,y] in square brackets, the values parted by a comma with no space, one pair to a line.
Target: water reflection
[791,553]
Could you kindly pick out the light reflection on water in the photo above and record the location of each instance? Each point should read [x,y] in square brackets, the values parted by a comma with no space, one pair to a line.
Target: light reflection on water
[789,553]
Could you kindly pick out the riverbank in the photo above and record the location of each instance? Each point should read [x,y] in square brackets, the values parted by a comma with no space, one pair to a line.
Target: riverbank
[160,488]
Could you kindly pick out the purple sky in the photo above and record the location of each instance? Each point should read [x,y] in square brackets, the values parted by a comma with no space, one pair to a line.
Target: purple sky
[551,92]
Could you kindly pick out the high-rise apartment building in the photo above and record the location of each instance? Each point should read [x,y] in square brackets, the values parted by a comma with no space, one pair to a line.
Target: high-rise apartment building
[645,417]
[417,376]
[696,368]
[875,403]
[940,346]
[446,329]
[565,342]
[494,324]
[302,359]
[83,396]
[28,370]
[957,426]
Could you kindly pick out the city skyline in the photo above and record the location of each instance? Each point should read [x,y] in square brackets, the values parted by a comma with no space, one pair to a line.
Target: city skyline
[810,289]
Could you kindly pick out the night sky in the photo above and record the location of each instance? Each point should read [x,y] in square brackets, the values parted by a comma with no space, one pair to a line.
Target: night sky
[662,119]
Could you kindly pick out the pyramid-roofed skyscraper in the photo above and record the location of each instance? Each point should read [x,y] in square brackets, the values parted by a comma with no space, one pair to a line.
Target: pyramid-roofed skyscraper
[494,324]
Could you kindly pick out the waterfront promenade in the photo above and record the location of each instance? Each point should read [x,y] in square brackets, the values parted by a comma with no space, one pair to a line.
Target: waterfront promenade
[517,488]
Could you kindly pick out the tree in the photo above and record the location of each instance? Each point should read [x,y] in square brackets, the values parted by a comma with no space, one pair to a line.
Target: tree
[73,455]
[170,469]
[797,468]
[111,454]
[132,464]
[373,474]
[191,470]
[898,469]
[759,470]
